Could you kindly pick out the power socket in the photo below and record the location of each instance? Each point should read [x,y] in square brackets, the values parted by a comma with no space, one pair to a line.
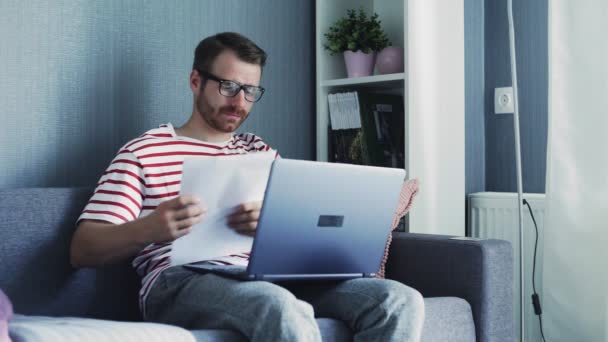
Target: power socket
[503,100]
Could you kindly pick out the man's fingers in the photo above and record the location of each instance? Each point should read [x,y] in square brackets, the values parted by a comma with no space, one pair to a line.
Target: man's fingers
[247,228]
[189,211]
[183,232]
[244,217]
[245,225]
[250,206]
[246,232]
[182,201]
[189,222]
[245,212]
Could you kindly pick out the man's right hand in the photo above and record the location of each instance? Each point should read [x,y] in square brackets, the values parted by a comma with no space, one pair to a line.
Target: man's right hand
[98,243]
[173,219]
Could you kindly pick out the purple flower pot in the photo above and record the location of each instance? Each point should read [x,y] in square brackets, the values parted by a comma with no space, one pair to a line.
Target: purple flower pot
[359,64]
[390,60]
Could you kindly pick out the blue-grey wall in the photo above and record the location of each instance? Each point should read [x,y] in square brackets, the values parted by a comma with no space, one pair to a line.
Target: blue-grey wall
[530,18]
[475,163]
[80,78]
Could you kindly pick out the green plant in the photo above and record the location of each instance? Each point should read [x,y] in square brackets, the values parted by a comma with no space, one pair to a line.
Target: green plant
[356,32]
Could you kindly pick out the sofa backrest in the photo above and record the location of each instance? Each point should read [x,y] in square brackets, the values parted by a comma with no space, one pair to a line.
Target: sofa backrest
[36,227]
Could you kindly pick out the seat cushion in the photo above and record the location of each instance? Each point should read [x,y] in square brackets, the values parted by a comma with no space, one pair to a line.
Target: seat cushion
[214,335]
[331,330]
[43,328]
[448,319]
[72,329]
[334,330]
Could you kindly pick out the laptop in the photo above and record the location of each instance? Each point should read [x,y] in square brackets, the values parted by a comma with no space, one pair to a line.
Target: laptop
[320,221]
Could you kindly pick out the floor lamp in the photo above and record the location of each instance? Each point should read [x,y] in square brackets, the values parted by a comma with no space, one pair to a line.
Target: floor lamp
[517,165]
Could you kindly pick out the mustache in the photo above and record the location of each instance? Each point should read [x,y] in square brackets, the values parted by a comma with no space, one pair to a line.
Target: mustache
[233,109]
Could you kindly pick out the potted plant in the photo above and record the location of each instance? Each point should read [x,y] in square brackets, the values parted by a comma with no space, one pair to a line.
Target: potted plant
[358,37]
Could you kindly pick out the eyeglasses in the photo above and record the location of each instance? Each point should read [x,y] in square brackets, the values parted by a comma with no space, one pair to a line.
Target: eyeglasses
[231,88]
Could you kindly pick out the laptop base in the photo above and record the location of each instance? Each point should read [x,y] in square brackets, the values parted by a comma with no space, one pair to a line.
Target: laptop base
[240,273]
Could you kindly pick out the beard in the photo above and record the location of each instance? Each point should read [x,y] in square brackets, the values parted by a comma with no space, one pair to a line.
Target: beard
[216,118]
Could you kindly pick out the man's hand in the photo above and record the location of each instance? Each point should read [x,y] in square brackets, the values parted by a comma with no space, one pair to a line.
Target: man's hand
[173,219]
[97,243]
[244,219]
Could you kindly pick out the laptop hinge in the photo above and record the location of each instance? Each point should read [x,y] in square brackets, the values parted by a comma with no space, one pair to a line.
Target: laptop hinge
[328,276]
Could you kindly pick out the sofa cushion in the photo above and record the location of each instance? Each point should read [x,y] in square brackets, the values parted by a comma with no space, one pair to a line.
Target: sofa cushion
[334,330]
[216,335]
[44,328]
[73,329]
[331,330]
[36,227]
[448,319]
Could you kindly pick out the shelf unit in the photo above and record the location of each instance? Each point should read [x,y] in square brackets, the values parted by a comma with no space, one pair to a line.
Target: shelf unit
[432,85]
[380,81]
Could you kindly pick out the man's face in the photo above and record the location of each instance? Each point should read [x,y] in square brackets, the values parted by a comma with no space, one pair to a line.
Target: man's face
[220,113]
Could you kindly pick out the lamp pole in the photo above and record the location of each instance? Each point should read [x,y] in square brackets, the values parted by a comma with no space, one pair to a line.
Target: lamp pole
[517,166]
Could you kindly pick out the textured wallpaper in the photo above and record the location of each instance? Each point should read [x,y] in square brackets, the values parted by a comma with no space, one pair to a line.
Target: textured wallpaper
[474,96]
[530,18]
[80,78]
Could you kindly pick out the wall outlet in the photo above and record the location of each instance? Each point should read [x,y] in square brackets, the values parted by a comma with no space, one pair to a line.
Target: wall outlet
[503,100]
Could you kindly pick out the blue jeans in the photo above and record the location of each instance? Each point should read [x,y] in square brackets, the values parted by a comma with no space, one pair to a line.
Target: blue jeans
[374,309]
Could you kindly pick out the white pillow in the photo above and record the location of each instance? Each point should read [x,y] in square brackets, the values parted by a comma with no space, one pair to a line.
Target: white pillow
[73,329]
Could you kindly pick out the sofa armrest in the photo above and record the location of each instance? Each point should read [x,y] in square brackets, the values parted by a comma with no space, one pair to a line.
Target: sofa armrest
[479,271]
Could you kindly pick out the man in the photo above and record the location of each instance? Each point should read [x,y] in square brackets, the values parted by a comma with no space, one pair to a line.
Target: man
[136,212]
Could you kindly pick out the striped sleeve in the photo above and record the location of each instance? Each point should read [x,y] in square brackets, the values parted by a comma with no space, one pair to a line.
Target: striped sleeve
[120,191]
[252,143]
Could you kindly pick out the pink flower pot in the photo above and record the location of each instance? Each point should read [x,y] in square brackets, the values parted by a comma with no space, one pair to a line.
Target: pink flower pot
[390,60]
[359,64]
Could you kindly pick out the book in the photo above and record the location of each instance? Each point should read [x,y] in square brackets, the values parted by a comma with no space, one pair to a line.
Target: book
[345,128]
[367,129]
[383,129]
[347,146]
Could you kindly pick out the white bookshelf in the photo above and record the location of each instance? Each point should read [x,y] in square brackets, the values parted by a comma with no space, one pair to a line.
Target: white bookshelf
[432,85]
[380,81]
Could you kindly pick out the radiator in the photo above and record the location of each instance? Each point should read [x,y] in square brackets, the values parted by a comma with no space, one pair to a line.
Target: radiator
[494,215]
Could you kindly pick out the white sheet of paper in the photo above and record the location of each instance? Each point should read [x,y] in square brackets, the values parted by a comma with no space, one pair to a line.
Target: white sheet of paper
[222,183]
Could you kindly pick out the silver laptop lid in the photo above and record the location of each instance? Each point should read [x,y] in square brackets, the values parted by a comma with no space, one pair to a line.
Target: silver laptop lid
[324,219]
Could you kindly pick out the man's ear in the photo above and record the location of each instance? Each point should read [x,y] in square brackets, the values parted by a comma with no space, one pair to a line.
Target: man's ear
[195,81]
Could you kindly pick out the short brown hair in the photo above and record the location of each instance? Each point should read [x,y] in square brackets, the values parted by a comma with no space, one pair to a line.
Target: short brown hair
[209,48]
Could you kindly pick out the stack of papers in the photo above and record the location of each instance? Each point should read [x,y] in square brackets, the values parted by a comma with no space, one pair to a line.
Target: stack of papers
[222,183]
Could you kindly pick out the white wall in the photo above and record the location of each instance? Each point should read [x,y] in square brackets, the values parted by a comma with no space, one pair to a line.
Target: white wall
[436,107]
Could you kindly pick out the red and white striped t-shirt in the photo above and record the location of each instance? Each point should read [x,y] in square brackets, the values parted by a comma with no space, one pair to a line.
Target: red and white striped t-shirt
[148,171]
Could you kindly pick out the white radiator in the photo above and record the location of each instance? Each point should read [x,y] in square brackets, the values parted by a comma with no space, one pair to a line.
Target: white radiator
[494,215]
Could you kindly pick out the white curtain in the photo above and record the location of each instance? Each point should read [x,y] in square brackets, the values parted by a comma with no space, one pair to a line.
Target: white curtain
[575,269]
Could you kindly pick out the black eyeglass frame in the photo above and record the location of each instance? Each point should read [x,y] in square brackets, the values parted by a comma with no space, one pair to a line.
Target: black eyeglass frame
[244,87]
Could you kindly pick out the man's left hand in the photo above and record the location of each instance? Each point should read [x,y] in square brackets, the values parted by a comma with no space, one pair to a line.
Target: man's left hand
[245,218]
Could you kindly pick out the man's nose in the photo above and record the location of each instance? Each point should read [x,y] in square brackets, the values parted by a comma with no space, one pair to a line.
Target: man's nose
[239,98]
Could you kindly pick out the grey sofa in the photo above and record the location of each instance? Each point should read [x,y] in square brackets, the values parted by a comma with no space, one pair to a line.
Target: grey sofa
[466,283]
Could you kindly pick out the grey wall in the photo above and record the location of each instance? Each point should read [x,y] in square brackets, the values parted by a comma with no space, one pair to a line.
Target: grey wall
[474,96]
[490,151]
[80,78]
[530,18]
